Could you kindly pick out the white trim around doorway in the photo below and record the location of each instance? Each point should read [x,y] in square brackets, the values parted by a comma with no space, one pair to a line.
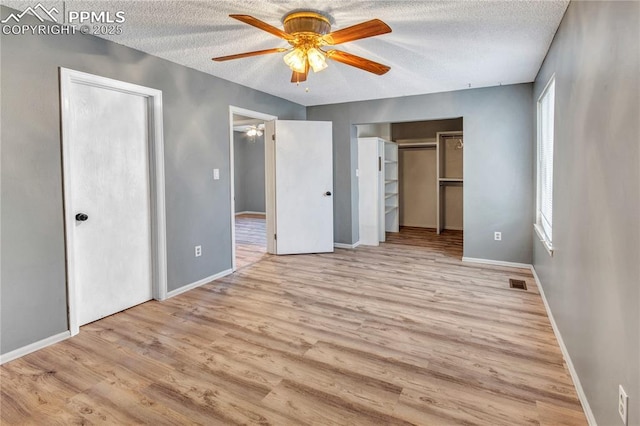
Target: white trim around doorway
[247,113]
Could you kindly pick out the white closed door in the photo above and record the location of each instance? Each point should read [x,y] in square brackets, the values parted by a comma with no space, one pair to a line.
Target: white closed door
[109,183]
[303,187]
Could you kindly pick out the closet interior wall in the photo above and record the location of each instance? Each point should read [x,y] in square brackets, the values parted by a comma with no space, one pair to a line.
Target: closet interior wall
[418,182]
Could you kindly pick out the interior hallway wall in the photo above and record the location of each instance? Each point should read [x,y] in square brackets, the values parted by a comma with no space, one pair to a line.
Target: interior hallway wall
[249,173]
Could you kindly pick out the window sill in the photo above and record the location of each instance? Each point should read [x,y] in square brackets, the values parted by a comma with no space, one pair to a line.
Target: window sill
[543,239]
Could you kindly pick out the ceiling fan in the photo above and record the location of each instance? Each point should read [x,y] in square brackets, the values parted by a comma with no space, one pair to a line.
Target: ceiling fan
[308,32]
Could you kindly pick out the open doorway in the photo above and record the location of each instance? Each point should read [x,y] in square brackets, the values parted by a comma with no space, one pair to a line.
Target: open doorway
[429,184]
[299,193]
[248,189]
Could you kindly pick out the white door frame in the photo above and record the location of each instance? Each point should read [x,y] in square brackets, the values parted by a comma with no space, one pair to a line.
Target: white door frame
[268,188]
[155,154]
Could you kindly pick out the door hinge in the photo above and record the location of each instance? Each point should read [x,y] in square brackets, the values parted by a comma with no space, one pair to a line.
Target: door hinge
[273,137]
[275,237]
[380,164]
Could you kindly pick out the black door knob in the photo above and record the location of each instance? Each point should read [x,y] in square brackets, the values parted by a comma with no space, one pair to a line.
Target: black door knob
[81,217]
[328,193]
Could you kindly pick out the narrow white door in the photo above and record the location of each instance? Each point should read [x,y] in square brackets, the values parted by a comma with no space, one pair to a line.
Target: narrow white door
[109,182]
[303,187]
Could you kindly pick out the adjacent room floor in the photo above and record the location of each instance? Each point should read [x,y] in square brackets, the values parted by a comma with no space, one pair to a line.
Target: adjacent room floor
[251,239]
[404,333]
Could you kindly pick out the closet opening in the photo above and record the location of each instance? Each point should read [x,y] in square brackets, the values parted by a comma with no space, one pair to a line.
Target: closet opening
[430,182]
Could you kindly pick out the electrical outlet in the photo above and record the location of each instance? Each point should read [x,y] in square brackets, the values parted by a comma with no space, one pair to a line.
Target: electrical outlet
[623,400]
[198,250]
[357,172]
[497,236]
[216,174]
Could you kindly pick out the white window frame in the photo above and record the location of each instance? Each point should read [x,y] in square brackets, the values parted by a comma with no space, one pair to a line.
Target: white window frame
[544,225]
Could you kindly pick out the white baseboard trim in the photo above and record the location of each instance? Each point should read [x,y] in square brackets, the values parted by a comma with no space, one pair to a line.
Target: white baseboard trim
[346,246]
[496,262]
[199,283]
[20,352]
[250,212]
[572,371]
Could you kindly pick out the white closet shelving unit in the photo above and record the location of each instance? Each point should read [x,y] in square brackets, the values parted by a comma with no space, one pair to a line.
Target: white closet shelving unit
[379,202]
[391,188]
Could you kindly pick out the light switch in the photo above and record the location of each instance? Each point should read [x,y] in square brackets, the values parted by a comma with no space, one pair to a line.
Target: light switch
[357,172]
[216,174]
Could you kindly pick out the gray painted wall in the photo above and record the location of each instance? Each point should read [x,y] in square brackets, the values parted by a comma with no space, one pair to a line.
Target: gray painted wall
[249,174]
[196,134]
[498,162]
[592,281]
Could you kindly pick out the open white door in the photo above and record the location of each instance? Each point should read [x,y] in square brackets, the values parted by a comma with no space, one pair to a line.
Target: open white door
[300,165]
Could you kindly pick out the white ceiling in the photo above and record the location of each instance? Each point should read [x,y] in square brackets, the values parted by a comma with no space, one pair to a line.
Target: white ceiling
[435,46]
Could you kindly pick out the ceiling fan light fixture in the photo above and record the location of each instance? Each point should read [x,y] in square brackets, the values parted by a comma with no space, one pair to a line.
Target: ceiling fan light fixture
[254,131]
[317,59]
[296,60]
[308,32]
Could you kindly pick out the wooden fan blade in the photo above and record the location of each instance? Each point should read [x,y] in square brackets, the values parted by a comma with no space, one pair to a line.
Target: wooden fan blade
[262,25]
[358,62]
[299,77]
[249,54]
[370,28]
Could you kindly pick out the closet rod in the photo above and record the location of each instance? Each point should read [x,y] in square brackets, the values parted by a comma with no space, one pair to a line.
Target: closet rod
[452,136]
[417,147]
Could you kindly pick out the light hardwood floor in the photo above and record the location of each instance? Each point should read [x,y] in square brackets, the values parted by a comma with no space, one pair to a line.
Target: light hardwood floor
[251,239]
[404,333]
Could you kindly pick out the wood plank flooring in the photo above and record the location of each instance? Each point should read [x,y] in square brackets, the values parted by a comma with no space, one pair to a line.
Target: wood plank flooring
[251,239]
[448,243]
[393,335]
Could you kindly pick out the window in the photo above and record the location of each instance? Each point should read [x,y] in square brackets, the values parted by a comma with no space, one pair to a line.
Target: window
[544,210]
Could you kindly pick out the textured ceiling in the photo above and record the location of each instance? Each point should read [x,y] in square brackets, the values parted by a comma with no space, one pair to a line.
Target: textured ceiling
[435,46]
